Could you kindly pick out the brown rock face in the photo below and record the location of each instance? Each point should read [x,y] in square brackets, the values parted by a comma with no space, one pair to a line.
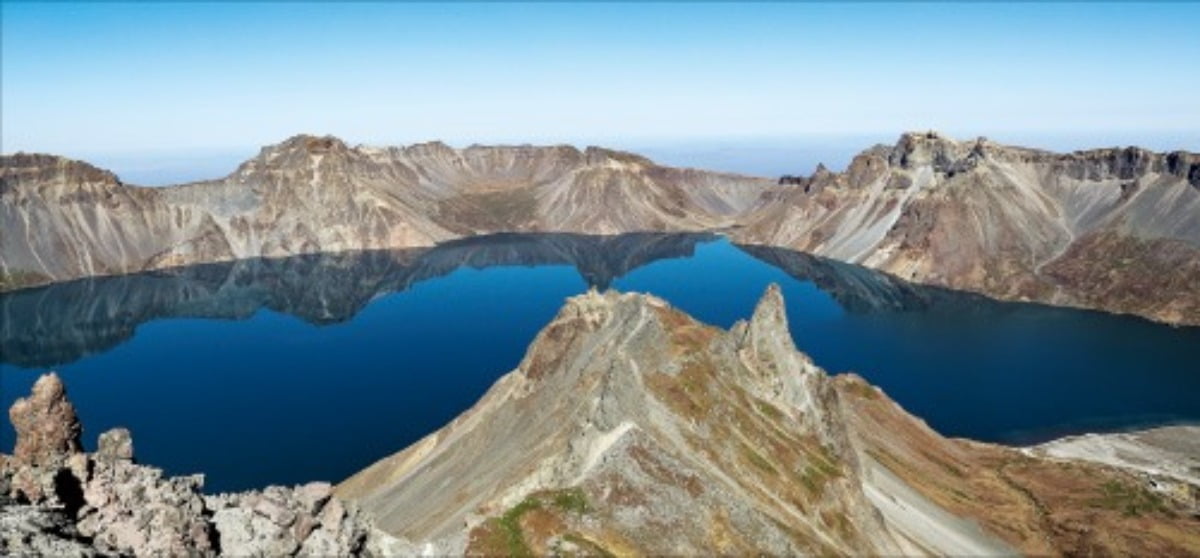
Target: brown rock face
[974,215]
[47,429]
[1113,229]
[62,219]
[631,428]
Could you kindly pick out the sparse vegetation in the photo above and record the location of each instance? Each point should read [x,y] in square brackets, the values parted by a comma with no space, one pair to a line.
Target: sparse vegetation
[505,534]
[758,460]
[588,547]
[1130,499]
[768,409]
[20,278]
[863,390]
[571,500]
[510,526]
[821,468]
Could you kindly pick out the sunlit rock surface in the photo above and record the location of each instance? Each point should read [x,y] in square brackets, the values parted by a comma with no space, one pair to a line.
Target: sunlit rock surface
[56,500]
[64,219]
[631,428]
[1114,229]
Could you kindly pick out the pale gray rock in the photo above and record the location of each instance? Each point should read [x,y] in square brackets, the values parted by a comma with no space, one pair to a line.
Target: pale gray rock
[48,433]
[1116,229]
[316,194]
[1113,229]
[115,445]
[27,530]
[45,423]
[629,421]
[133,509]
[277,521]
[105,504]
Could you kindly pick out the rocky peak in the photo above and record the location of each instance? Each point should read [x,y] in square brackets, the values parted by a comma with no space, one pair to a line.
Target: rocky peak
[770,314]
[1130,163]
[300,153]
[47,428]
[944,154]
[631,410]
[600,156]
[581,317]
[316,145]
[38,168]
[428,149]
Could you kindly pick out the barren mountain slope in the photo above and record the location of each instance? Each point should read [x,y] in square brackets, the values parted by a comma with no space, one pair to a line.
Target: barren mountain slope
[1117,229]
[631,428]
[64,219]
[1114,229]
[1040,503]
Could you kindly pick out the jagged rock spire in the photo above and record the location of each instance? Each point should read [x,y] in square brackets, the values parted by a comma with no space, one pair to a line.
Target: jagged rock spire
[47,428]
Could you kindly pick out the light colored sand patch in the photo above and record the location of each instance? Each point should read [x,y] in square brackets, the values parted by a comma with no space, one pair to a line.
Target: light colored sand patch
[1172,451]
[602,443]
[922,523]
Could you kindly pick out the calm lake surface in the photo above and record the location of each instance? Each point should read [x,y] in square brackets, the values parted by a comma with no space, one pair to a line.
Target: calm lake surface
[310,368]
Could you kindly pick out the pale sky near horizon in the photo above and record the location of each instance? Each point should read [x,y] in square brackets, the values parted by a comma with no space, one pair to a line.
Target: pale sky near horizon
[116,78]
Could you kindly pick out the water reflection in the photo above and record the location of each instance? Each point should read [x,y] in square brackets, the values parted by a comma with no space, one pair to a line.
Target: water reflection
[61,323]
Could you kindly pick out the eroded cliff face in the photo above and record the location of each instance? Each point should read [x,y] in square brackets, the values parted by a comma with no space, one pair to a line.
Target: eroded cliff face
[1115,229]
[64,219]
[1112,229]
[630,428]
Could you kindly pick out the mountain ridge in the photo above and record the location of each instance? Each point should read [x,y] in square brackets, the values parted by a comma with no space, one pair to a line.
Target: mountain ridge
[1116,229]
[630,427]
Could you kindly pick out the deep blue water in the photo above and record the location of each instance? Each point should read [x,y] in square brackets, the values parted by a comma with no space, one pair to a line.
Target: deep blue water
[311,368]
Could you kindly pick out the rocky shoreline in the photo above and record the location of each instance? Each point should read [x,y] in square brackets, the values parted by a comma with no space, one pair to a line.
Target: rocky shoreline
[56,500]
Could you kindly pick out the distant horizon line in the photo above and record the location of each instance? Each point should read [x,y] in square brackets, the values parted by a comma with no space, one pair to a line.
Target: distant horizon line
[1134,138]
[762,155]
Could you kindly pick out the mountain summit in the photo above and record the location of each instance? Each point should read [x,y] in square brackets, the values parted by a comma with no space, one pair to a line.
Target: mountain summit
[629,427]
[1114,229]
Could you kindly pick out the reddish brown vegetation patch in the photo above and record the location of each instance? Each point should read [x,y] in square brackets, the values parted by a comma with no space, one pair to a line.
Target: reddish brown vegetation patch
[1041,507]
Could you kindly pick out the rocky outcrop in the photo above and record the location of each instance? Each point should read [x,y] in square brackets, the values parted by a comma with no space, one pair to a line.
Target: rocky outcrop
[64,219]
[1114,229]
[56,500]
[46,425]
[631,428]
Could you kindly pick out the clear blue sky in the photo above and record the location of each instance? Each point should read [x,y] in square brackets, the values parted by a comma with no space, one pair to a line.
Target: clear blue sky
[96,77]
